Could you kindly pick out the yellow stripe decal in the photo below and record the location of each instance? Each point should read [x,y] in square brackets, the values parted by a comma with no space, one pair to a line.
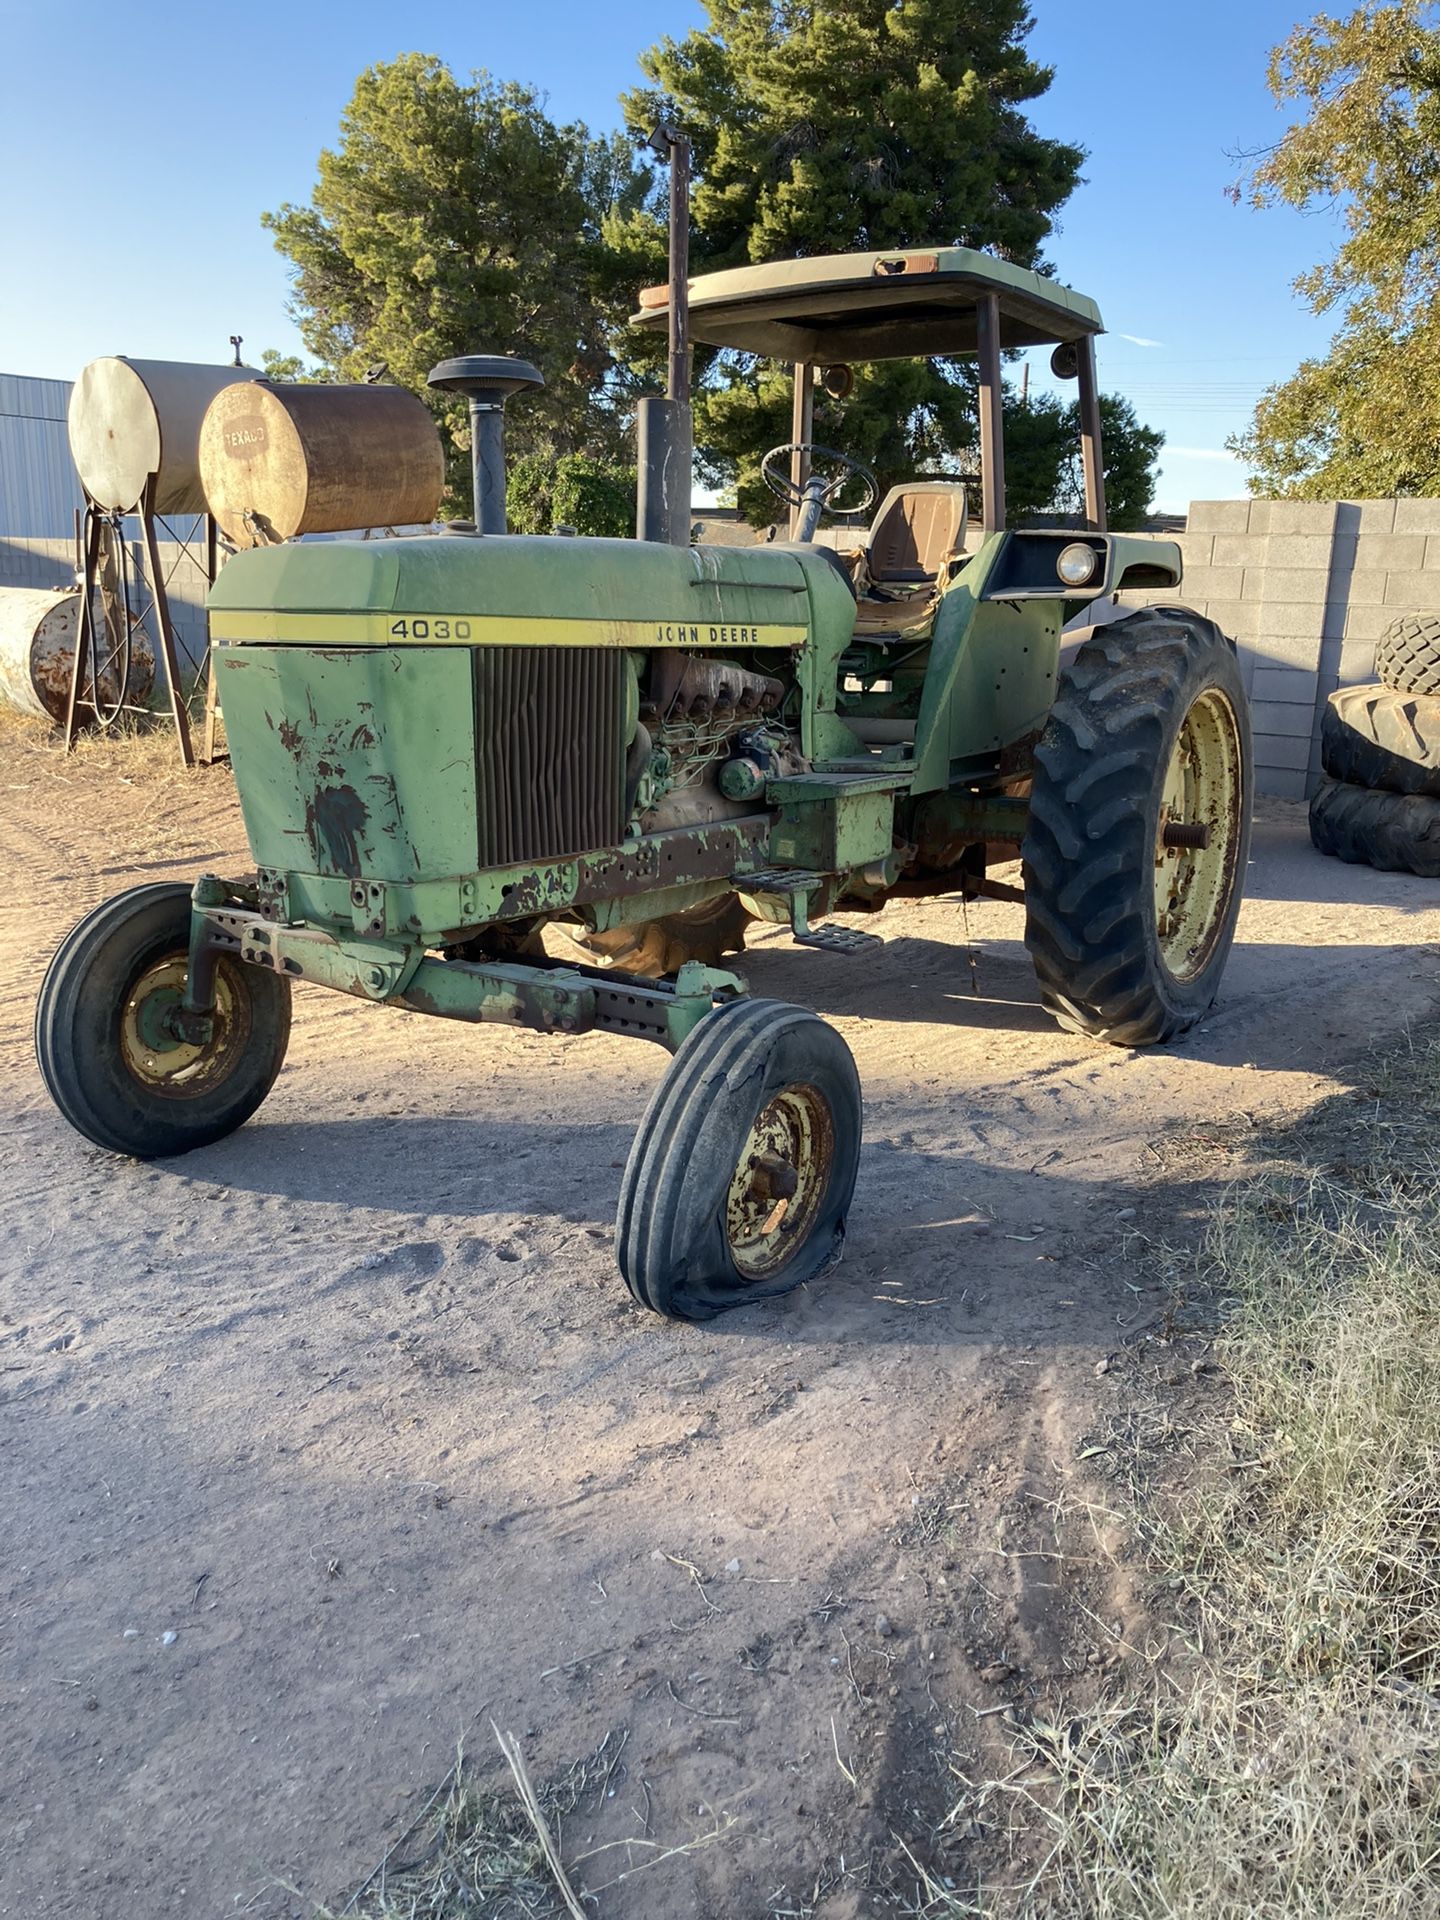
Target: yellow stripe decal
[230,626]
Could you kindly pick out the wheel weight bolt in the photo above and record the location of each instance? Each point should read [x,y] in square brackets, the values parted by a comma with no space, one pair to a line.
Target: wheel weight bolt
[1193,835]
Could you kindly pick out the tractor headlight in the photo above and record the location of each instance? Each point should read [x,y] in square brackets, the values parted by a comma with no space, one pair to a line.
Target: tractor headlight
[1076,564]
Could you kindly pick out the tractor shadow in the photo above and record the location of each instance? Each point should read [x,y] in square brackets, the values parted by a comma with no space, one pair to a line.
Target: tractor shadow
[947,1246]
[1306,985]
[987,983]
[1285,867]
[422,1168]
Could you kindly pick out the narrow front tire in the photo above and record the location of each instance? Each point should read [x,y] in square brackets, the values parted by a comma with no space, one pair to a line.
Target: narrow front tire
[111,1050]
[741,1175]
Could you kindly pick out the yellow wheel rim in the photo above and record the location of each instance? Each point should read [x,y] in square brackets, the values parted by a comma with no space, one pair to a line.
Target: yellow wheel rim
[1202,802]
[779,1182]
[160,1059]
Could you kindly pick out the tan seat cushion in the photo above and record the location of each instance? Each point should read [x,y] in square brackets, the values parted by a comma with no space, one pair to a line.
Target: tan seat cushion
[918,528]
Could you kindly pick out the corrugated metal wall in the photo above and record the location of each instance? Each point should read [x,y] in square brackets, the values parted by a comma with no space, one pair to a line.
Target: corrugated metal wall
[38,488]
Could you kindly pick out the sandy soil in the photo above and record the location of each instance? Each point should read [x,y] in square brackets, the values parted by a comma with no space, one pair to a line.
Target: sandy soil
[327,1444]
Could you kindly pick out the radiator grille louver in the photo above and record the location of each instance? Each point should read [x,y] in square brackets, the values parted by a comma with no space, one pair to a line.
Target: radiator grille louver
[550,758]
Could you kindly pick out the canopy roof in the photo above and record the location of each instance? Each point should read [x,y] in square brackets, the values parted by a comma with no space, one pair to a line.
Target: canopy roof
[874,306]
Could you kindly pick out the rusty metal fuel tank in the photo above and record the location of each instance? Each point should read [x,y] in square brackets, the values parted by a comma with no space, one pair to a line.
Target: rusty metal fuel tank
[129,419]
[37,652]
[278,460]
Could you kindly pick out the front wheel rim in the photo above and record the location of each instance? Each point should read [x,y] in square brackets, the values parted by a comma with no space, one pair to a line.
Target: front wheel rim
[780,1182]
[166,1065]
[1204,788]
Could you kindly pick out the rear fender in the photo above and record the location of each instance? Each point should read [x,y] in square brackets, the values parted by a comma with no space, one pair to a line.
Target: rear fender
[991,677]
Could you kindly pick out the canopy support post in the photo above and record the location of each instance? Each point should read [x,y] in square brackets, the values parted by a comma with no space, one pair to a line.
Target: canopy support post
[1092,455]
[665,429]
[992,421]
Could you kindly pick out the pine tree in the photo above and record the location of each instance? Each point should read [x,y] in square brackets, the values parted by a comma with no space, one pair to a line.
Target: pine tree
[829,126]
[455,217]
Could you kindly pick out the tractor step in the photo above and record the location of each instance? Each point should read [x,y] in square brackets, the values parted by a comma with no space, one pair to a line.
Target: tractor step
[797,884]
[837,939]
[778,880]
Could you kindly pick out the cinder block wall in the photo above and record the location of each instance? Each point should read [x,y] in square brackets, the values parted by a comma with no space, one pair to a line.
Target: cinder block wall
[1306,588]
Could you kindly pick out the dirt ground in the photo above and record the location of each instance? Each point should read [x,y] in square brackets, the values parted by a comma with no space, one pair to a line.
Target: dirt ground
[329,1444]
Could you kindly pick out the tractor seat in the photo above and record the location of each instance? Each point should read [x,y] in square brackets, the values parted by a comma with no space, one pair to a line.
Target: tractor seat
[896,619]
[919,529]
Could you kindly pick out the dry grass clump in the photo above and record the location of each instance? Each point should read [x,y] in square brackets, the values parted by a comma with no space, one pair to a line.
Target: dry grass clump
[483,1853]
[1289,1762]
[478,1858]
[136,760]
[121,792]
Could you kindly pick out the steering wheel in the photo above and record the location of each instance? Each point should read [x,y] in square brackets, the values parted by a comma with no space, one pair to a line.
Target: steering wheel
[817,494]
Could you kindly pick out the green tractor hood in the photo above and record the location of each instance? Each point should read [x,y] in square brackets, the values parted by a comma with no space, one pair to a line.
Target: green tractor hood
[521,590]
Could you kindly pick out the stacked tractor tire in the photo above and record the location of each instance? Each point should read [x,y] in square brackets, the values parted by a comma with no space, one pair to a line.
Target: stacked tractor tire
[1379,803]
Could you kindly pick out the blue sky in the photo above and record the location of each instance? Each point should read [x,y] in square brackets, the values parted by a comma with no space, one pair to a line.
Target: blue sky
[139,148]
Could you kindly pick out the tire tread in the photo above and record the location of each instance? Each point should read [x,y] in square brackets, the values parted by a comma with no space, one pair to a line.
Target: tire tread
[1367,826]
[1376,737]
[1407,654]
[74,1079]
[653,1221]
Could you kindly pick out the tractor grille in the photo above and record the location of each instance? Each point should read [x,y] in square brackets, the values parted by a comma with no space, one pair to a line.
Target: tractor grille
[550,754]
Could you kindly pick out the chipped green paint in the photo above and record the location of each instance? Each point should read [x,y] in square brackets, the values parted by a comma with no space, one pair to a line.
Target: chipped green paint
[568,999]
[355,764]
[625,883]
[484,992]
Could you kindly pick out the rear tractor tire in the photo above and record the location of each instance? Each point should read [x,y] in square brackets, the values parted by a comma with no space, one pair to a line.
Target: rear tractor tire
[110,1056]
[1366,826]
[1375,737]
[740,1177]
[656,948]
[1139,828]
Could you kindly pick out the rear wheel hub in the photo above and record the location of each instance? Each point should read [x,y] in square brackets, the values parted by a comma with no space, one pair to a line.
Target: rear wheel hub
[1197,835]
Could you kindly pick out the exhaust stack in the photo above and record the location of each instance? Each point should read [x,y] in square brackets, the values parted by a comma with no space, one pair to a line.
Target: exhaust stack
[665,435]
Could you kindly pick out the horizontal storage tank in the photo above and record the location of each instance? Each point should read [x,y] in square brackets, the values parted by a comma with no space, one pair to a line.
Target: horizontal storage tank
[131,418]
[37,652]
[278,460]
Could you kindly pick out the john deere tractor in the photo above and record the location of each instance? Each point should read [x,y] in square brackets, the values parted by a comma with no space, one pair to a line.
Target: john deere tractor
[447,745]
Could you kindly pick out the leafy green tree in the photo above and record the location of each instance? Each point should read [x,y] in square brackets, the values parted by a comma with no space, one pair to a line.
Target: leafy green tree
[1130,452]
[455,217]
[849,125]
[286,367]
[590,496]
[1363,419]
[1043,471]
